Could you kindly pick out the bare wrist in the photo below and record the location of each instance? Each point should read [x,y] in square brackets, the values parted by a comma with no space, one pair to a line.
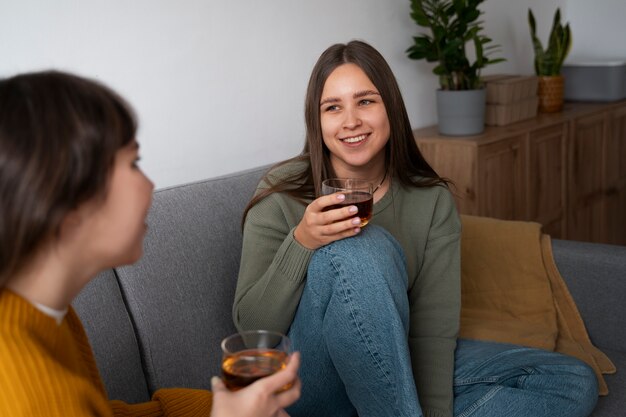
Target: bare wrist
[297,235]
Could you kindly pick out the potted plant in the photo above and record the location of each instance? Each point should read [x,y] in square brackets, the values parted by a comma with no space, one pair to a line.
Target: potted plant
[453,24]
[548,62]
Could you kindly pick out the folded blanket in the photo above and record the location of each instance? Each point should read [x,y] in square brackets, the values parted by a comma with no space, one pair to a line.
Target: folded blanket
[512,292]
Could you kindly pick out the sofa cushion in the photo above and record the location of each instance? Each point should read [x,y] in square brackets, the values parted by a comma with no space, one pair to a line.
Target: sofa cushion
[180,294]
[101,310]
[512,292]
[506,292]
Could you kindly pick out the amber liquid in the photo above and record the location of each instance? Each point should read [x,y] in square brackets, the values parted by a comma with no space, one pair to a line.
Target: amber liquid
[247,366]
[363,201]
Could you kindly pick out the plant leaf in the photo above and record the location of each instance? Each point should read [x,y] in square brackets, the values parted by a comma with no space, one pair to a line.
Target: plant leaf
[452,24]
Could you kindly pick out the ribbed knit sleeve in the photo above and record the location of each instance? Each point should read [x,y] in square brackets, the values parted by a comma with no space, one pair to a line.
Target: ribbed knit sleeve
[43,366]
[171,402]
[49,370]
[273,266]
[147,409]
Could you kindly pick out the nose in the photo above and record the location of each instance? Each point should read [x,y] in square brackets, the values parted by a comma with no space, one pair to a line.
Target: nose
[352,119]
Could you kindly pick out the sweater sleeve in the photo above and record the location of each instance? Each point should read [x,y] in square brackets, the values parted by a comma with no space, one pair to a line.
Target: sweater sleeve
[435,301]
[273,266]
[171,402]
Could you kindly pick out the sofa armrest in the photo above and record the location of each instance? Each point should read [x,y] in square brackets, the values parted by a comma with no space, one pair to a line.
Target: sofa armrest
[596,277]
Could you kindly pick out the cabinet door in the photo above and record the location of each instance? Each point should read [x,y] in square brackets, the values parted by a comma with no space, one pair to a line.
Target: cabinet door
[546,178]
[586,217]
[502,190]
[616,178]
[457,162]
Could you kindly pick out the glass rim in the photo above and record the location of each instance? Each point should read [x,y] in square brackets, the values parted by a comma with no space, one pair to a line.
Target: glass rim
[283,337]
[334,182]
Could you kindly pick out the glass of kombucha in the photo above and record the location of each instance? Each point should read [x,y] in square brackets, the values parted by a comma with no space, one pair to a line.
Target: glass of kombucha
[252,355]
[358,193]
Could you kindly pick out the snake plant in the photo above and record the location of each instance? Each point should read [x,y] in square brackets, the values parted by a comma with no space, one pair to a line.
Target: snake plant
[549,61]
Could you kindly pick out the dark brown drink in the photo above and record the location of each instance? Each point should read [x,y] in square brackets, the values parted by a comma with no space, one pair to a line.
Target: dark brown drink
[243,368]
[362,200]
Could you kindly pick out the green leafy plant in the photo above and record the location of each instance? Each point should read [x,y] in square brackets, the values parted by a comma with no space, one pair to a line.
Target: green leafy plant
[453,24]
[550,60]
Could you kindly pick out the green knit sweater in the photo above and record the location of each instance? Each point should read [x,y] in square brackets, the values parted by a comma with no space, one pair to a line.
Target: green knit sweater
[425,223]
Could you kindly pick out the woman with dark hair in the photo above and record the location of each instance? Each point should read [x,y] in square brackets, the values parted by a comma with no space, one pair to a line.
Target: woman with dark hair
[375,310]
[73,202]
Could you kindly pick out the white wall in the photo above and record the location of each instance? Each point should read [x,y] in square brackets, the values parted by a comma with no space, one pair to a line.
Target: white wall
[507,23]
[598,30]
[219,85]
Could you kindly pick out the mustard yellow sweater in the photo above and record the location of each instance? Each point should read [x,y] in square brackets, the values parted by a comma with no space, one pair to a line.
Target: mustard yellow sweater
[49,370]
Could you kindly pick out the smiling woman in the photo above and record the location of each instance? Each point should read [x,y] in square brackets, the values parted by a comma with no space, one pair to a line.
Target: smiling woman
[375,310]
[339,290]
[355,127]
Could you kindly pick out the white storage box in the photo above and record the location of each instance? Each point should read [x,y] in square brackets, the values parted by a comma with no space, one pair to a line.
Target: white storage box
[595,80]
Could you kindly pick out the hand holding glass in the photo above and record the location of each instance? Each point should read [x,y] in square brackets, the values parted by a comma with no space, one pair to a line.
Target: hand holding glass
[358,193]
[252,355]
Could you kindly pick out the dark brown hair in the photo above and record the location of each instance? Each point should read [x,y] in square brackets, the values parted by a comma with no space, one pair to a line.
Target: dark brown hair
[58,137]
[403,159]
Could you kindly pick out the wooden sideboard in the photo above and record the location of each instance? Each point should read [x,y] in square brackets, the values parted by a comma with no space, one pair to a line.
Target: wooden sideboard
[566,171]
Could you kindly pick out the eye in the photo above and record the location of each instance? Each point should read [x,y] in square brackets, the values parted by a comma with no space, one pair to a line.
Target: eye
[332,107]
[365,102]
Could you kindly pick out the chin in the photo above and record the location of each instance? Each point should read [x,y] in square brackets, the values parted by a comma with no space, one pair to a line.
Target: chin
[131,257]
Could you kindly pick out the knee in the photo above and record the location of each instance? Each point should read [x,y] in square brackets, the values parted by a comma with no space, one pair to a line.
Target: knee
[374,244]
[373,254]
[580,384]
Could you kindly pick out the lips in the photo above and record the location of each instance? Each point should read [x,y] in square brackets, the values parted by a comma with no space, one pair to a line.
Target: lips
[354,139]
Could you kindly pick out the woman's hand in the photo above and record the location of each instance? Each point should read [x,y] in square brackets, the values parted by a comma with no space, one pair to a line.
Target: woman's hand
[318,227]
[260,399]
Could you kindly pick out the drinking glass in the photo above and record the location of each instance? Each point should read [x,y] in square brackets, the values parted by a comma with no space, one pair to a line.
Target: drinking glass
[252,355]
[358,193]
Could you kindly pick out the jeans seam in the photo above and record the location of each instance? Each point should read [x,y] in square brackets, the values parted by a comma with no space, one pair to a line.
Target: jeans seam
[490,360]
[359,327]
[477,380]
[374,355]
[476,405]
[521,380]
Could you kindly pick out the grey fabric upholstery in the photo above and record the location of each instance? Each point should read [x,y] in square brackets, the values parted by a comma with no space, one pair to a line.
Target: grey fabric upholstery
[180,294]
[101,309]
[613,405]
[596,277]
[159,323]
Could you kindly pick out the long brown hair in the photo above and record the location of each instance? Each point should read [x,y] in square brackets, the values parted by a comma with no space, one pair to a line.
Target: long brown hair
[58,137]
[404,161]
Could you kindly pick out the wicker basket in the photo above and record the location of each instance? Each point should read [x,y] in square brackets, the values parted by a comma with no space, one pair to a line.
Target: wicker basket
[510,98]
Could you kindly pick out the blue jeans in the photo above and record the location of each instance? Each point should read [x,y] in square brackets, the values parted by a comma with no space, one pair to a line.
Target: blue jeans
[351,327]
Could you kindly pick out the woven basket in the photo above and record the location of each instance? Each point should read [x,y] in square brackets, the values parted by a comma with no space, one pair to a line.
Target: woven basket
[550,92]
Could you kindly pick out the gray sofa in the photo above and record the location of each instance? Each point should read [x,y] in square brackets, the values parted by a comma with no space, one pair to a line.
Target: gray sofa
[159,322]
